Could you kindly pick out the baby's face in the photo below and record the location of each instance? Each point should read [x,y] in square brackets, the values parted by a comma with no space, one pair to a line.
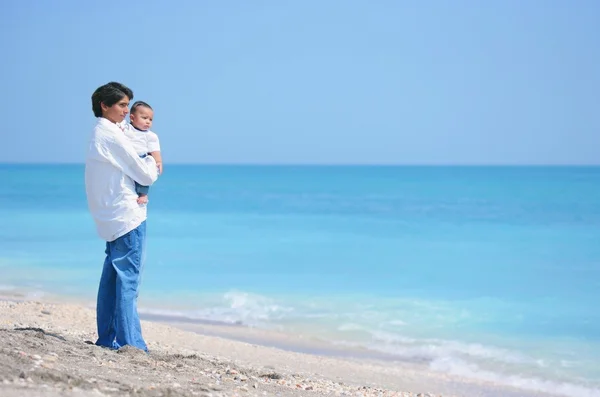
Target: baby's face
[142,118]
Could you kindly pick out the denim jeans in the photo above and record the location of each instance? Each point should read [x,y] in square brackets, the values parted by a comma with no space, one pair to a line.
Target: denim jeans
[139,189]
[116,308]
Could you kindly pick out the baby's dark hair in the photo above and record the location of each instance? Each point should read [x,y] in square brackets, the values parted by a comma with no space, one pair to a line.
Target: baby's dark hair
[138,104]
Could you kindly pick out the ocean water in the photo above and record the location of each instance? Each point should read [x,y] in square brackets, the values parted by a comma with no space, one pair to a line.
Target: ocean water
[491,273]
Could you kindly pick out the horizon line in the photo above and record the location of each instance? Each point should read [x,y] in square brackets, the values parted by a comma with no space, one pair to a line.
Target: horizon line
[255,164]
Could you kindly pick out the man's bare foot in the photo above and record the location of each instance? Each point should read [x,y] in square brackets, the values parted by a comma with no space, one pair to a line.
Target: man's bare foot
[142,200]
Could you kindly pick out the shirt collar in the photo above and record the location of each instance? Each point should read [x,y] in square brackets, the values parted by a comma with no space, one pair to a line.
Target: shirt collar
[109,124]
[137,129]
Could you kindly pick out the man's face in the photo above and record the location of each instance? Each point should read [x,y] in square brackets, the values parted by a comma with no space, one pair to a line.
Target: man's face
[117,112]
[142,118]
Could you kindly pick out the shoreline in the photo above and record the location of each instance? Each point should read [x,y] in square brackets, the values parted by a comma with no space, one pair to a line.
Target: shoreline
[274,339]
[191,347]
[239,332]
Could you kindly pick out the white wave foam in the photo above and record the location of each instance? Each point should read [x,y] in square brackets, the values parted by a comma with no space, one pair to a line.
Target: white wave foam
[350,327]
[436,348]
[252,308]
[397,323]
[469,360]
[444,356]
[232,308]
[36,294]
[460,368]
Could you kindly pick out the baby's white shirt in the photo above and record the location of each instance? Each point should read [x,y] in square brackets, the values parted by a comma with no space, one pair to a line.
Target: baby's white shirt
[144,142]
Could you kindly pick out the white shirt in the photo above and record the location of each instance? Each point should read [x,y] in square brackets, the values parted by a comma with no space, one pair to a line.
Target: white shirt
[111,167]
[144,142]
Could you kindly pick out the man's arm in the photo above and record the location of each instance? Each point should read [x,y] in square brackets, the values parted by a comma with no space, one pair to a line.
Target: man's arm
[143,171]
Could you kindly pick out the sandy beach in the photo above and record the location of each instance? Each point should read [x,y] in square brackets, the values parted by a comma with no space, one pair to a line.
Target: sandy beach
[47,350]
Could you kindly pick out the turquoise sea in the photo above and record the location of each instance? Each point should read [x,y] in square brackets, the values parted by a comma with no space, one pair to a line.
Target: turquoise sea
[492,273]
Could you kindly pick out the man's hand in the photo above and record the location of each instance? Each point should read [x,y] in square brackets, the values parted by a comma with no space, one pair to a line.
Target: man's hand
[160,169]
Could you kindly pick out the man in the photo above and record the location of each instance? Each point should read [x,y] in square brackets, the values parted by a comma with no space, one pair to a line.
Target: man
[111,169]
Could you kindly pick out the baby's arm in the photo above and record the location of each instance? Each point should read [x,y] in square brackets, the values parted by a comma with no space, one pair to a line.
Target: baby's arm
[154,150]
[158,159]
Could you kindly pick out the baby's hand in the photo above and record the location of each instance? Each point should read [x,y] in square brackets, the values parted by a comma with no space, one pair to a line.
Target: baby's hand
[142,200]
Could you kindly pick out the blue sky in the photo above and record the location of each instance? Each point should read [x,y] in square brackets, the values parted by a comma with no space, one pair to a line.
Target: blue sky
[376,82]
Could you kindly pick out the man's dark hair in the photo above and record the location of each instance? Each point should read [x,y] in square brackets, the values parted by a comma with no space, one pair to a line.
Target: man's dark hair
[139,104]
[109,94]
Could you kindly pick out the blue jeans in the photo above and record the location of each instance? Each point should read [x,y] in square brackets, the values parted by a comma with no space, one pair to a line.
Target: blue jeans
[139,189]
[116,308]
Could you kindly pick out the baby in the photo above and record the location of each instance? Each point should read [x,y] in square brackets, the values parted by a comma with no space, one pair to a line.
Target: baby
[144,141]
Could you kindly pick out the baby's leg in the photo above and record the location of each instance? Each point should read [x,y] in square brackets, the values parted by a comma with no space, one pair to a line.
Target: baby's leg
[142,192]
[142,199]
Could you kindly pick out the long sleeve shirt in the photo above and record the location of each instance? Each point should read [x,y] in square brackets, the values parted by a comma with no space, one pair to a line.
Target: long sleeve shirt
[112,167]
